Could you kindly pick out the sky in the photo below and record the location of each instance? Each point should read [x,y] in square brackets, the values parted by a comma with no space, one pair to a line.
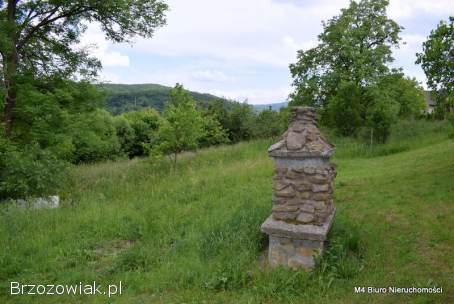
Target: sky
[241,49]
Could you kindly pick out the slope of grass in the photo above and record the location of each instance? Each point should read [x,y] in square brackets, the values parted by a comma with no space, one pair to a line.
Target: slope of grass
[192,236]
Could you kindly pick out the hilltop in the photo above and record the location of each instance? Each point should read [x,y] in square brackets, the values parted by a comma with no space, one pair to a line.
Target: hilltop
[131,97]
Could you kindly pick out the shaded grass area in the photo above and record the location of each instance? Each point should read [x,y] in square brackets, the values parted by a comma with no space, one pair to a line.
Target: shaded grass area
[405,135]
[192,236]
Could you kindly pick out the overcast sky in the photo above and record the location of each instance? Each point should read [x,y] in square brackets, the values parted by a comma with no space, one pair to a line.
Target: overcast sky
[241,49]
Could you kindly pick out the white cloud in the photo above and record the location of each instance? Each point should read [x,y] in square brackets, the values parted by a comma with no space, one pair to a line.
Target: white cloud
[211,76]
[406,56]
[109,77]
[100,48]
[242,49]
[253,31]
[410,8]
[256,96]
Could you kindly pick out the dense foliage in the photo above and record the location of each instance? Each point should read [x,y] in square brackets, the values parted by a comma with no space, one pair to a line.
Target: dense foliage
[51,122]
[182,126]
[437,61]
[40,38]
[192,236]
[29,171]
[137,131]
[213,133]
[346,75]
[59,122]
[48,120]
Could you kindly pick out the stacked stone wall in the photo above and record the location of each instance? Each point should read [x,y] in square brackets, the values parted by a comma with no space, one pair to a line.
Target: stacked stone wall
[303,194]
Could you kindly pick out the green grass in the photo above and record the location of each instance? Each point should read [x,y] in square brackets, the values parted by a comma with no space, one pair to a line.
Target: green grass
[192,236]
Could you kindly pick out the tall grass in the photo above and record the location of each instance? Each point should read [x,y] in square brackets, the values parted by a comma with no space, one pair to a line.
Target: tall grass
[192,235]
[405,135]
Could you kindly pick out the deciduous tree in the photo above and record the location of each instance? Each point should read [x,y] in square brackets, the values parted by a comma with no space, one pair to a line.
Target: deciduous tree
[352,55]
[39,38]
[182,124]
[437,61]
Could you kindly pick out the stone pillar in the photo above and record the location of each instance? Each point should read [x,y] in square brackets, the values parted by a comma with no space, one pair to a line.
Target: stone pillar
[303,208]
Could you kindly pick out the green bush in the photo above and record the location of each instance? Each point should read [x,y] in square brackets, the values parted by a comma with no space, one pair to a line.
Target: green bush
[239,122]
[213,133]
[125,134]
[95,138]
[56,122]
[139,133]
[344,110]
[267,124]
[379,119]
[29,171]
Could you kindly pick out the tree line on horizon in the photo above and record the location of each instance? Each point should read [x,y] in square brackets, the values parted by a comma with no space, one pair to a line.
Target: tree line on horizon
[65,122]
[54,116]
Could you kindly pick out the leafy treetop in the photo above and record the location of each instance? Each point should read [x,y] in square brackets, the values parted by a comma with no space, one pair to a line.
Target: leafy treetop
[355,46]
[437,61]
[39,38]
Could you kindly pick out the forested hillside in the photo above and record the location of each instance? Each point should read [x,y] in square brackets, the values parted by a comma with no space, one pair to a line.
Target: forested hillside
[132,97]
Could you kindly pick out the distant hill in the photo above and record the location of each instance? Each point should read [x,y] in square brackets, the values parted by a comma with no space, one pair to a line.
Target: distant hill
[274,106]
[130,97]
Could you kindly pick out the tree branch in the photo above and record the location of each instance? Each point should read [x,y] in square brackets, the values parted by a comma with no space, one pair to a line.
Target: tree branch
[48,20]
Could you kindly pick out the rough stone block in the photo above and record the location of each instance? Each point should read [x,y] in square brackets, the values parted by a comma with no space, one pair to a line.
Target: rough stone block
[285,208]
[48,202]
[291,174]
[321,196]
[295,140]
[305,217]
[320,188]
[297,262]
[294,253]
[280,185]
[286,192]
[304,195]
[294,201]
[318,179]
[309,170]
[303,186]
[299,232]
[307,208]
[285,215]
[280,170]
[319,205]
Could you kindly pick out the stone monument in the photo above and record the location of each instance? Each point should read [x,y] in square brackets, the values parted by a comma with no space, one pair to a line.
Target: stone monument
[303,208]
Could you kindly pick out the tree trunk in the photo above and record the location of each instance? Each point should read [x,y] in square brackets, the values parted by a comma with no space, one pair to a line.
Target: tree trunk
[10,69]
[175,162]
[10,104]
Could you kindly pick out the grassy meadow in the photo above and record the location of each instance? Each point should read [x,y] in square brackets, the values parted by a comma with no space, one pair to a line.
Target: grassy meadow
[192,236]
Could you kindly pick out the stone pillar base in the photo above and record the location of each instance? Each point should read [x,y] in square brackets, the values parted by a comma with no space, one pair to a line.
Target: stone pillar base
[295,245]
